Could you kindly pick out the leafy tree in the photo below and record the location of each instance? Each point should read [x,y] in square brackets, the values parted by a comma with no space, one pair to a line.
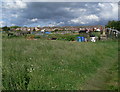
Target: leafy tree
[14,27]
[56,30]
[114,24]
[5,28]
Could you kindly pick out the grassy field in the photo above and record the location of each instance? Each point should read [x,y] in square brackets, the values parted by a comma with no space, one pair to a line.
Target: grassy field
[55,65]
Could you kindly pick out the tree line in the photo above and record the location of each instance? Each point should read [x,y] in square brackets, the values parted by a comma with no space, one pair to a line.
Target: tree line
[113,24]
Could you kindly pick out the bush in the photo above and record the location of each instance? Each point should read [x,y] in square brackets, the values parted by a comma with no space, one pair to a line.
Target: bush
[66,37]
[70,38]
[37,37]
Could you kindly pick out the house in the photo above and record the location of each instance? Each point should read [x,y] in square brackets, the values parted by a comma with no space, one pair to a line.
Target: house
[97,30]
[43,30]
[82,31]
[37,29]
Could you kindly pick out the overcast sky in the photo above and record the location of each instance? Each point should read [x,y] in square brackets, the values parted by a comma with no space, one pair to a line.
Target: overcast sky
[57,13]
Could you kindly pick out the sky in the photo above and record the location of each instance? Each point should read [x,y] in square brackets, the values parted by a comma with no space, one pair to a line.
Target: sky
[31,14]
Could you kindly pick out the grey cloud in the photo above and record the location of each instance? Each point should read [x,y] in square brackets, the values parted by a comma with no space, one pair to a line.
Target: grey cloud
[50,12]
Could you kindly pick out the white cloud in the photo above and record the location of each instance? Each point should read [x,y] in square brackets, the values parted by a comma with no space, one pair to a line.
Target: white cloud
[98,9]
[52,24]
[21,4]
[114,9]
[101,5]
[76,20]
[2,23]
[34,20]
[108,10]
[85,19]
[13,4]
[82,10]
[60,23]
[12,24]
[78,10]
[75,10]
[15,15]
[92,17]
[86,5]
[55,24]
[67,8]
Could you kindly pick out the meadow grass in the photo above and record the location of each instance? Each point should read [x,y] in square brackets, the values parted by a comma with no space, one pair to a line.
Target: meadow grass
[52,65]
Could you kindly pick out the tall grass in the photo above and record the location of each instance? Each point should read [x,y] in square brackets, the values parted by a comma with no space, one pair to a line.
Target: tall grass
[48,65]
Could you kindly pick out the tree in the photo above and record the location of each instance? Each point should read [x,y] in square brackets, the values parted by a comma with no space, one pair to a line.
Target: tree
[5,28]
[56,30]
[15,27]
[114,24]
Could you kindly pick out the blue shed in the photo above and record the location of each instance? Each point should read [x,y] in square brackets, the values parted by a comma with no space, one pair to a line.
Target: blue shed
[47,32]
[83,39]
[79,39]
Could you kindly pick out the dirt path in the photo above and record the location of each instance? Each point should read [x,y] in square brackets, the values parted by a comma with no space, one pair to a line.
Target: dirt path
[104,79]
